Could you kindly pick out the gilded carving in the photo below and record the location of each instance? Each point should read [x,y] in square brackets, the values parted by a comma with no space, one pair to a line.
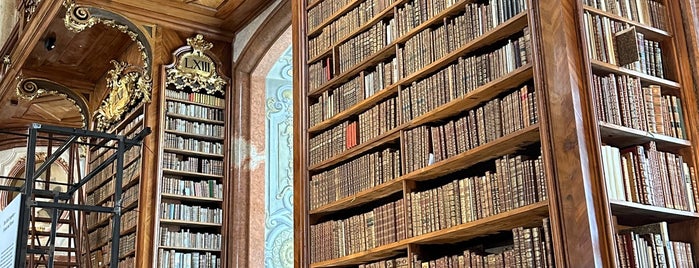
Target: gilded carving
[28,89]
[126,89]
[30,7]
[196,70]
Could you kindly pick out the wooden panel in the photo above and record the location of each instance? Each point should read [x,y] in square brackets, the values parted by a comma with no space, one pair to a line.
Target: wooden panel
[647,79]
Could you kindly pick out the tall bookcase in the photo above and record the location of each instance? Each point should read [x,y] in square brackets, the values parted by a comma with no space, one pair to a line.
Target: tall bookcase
[191,186]
[100,192]
[430,132]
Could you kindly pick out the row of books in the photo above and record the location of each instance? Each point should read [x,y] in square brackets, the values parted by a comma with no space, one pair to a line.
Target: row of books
[205,99]
[426,145]
[532,247]
[134,126]
[462,77]
[191,213]
[432,44]
[198,128]
[129,220]
[344,25]
[362,86]
[127,245]
[649,246]
[357,175]
[328,143]
[366,44]
[415,12]
[98,158]
[337,238]
[93,218]
[178,142]
[177,259]
[178,186]
[130,196]
[642,174]
[623,101]
[376,121]
[192,110]
[320,72]
[616,43]
[187,239]
[401,262]
[129,262]
[103,234]
[129,174]
[325,8]
[517,182]
[649,12]
[192,164]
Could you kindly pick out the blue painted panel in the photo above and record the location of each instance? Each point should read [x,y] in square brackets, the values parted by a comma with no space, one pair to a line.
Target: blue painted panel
[279,240]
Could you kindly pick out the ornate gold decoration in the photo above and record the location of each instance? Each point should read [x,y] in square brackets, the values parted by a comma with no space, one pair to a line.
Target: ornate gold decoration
[28,89]
[30,7]
[6,60]
[127,87]
[78,18]
[195,69]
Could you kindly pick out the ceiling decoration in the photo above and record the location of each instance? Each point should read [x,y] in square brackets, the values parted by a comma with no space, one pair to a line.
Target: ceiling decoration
[30,7]
[79,18]
[33,88]
[195,69]
[128,86]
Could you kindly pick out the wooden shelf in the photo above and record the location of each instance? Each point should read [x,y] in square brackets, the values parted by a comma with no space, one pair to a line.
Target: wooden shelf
[502,146]
[624,137]
[477,96]
[649,79]
[647,30]
[196,136]
[194,103]
[530,215]
[195,119]
[637,214]
[190,174]
[99,245]
[189,249]
[391,135]
[193,153]
[188,223]
[366,26]
[128,231]
[191,198]
[508,28]
[128,254]
[99,224]
[497,148]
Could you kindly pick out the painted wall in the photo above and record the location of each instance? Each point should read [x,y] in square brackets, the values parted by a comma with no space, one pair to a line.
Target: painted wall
[279,251]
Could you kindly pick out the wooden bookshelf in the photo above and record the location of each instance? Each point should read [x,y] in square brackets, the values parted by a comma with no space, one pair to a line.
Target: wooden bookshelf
[199,169]
[625,136]
[650,31]
[610,68]
[643,214]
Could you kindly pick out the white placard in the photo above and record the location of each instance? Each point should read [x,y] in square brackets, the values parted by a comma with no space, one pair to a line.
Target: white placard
[9,222]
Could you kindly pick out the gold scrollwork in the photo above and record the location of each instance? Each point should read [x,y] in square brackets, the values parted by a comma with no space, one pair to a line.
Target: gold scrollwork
[30,7]
[127,87]
[28,90]
[196,70]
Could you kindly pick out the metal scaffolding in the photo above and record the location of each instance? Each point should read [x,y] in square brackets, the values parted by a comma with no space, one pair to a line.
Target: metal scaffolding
[59,203]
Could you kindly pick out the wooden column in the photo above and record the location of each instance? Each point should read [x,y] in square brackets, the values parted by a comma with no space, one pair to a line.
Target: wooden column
[301,178]
[581,223]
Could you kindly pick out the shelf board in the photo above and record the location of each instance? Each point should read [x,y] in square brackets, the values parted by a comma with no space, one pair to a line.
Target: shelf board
[477,96]
[192,135]
[189,249]
[497,148]
[195,119]
[128,231]
[530,215]
[189,223]
[190,152]
[647,30]
[191,198]
[99,224]
[649,79]
[374,254]
[366,26]
[194,103]
[635,213]
[391,135]
[99,245]
[508,28]
[190,174]
[505,145]
[363,197]
[526,216]
[624,137]
[127,254]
